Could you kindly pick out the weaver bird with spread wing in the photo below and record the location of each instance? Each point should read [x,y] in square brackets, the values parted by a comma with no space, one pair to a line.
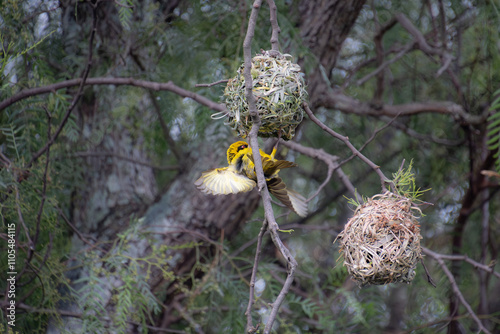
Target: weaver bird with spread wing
[240,176]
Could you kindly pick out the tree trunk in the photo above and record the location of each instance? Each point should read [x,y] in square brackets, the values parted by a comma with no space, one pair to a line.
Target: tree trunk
[324,26]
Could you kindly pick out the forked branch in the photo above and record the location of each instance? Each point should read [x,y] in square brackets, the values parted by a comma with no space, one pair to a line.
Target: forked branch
[270,220]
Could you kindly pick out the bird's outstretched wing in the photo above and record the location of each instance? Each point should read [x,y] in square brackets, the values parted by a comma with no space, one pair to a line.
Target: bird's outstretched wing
[290,198]
[223,181]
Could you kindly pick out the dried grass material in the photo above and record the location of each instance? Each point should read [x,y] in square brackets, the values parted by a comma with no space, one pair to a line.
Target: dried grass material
[279,88]
[381,242]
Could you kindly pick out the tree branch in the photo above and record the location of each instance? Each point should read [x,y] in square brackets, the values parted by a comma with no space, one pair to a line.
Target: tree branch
[332,99]
[335,99]
[44,191]
[261,182]
[248,313]
[446,58]
[475,264]
[157,86]
[78,93]
[275,46]
[331,162]
[456,290]
[383,179]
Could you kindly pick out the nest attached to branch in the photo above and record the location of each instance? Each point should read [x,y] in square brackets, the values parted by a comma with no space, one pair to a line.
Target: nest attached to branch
[381,242]
[279,88]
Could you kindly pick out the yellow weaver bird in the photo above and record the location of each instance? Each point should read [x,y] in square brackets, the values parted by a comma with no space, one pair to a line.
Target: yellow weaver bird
[240,176]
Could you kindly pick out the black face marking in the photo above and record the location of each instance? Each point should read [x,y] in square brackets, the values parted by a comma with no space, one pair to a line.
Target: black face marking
[241,147]
[239,163]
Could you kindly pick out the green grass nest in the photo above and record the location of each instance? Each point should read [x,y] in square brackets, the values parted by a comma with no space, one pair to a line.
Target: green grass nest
[279,88]
[381,242]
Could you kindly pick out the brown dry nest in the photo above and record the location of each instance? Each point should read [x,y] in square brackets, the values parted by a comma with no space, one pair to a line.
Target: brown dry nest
[380,244]
[279,89]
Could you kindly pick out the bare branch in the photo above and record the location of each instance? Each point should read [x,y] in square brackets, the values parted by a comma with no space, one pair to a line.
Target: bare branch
[475,264]
[332,164]
[248,313]
[456,290]
[422,43]
[157,86]
[383,179]
[421,137]
[186,316]
[274,25]
[335,99]
[385,64]
[181,158]
[261,182]
[252,107]
[212,84]
[44,190]
[31,245]
[78,93]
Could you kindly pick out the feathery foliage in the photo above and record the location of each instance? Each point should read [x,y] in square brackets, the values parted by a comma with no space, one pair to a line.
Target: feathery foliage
[494,129]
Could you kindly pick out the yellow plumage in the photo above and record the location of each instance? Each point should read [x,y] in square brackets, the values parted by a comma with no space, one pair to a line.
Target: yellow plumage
[240,176]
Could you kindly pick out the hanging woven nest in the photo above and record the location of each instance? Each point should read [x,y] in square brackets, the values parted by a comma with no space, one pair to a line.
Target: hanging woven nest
[279,89]
[381,242]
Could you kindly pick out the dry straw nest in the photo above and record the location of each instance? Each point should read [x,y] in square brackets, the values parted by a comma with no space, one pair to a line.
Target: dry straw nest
[381,242]
[279,88]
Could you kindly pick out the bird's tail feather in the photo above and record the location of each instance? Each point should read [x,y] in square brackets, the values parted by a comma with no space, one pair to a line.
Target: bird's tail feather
[290,198]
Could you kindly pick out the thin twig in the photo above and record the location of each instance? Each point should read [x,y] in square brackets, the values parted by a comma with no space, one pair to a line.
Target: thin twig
[420,137]
[78,93]
[291,266]
[422,43]
[331,162]
[274,25]
[5,160]
[186,316]
[427,273]
[475,264]
[383,179]
[440,260]
[385,64]
[212,84]
[252,107]
[31,245]
[250,328]
[77,232]
[266,198]
[44,189]
[36,271]
[372,137]
[181,158]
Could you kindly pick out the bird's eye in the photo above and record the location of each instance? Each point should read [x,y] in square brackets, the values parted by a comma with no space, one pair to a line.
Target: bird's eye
[242,147]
